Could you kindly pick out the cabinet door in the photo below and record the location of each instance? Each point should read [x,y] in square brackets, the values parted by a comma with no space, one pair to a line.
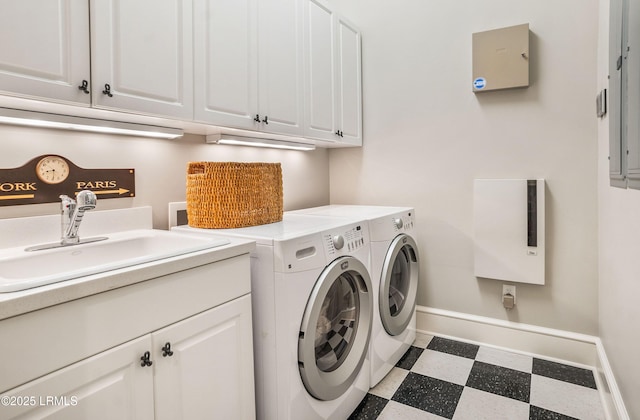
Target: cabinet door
[349,82]
[631,86]
[225,62]
[320,92]
[143,50]
[210,370]
[45,49]
[110,385]
[280,79]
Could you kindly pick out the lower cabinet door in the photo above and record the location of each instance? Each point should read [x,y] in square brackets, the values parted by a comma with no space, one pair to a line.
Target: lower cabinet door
[110,385]
[204,365]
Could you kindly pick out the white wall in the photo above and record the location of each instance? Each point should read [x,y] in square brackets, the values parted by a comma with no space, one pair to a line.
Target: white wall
[160,165]
[427,136]
[619,262]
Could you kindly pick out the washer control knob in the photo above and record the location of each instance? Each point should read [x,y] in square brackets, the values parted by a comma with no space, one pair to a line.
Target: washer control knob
[398,223]
[338,241]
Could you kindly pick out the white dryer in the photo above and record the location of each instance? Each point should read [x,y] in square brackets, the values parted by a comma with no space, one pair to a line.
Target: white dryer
[394,268]
[312,311]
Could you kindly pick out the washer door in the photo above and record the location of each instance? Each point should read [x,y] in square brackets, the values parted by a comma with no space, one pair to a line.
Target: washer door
[399,284]
[335,330]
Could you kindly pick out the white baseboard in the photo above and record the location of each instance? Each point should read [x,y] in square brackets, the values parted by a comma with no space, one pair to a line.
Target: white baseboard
[565,346]
[613,399]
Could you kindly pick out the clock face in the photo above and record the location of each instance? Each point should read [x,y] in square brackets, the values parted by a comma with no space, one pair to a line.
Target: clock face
[52,169]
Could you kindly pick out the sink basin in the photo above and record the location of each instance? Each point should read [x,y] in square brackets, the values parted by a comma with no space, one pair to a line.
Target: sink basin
[20,269]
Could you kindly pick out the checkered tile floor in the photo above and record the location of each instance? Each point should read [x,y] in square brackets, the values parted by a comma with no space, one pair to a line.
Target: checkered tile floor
[444,379]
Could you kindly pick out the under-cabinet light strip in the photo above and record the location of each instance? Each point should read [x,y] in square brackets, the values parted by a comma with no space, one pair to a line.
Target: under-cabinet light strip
[257,142]
[66,122]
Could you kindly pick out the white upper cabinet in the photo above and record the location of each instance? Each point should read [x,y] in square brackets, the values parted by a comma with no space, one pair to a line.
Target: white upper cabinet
[45,50]
[333,76]
[349,74]
[248,64]
[320,121]
[277,67]
[280,82]
[225,46]
[141,49]
[142,56]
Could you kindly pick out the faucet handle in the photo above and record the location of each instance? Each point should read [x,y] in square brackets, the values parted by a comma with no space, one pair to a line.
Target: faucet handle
[86,200]
[68,204]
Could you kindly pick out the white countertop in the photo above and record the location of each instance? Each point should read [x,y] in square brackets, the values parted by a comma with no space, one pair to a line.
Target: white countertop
[16,303]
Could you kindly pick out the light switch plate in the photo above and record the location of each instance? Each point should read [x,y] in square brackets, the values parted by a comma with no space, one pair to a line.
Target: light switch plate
[601,103]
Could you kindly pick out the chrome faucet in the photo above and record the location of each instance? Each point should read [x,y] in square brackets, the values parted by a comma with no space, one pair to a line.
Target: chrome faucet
[72,212]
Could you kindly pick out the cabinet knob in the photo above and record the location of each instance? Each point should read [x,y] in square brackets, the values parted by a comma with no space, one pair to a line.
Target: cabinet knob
[339,133]
[84,86]
[146,359]
[107,90]
[257,118]
[265,120]
[166,350]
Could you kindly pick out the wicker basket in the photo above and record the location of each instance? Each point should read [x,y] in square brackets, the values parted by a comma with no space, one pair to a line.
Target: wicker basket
[232,194]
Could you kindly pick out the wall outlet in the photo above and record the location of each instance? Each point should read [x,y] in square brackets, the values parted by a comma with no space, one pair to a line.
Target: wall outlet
[509,289]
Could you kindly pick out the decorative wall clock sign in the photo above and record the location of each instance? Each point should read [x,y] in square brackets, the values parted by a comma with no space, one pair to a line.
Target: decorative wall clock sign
[45,177]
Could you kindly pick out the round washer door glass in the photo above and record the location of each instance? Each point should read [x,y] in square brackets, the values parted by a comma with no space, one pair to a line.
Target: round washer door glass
[337,325]
[399,284]
[335,330]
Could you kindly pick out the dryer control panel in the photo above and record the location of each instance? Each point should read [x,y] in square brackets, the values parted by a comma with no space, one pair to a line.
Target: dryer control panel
[342,242]
[402,222]
[384,228]
[317,250]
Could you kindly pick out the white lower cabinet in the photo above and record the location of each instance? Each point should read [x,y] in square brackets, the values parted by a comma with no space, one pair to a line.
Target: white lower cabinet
[109,385]
[208,371]
[197,367]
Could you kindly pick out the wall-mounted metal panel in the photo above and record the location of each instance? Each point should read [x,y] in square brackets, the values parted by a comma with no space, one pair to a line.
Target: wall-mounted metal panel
[501,58]
[509,230]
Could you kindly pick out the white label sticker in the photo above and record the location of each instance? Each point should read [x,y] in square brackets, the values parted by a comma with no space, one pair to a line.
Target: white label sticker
[480,83]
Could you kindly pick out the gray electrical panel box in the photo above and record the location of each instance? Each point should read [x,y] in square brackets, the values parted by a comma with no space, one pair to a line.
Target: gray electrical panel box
[501,58]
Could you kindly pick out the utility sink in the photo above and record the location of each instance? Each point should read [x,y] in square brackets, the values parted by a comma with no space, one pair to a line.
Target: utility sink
[20,269]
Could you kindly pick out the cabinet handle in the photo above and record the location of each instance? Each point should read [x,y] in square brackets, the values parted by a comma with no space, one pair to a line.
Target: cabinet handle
[265,120]
[146,359]
[166,350]
[107,90]
[257,118]
[339,133]
[84,86]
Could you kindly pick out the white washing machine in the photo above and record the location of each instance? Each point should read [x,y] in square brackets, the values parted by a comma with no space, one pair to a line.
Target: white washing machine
[394,268]
[312,312]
